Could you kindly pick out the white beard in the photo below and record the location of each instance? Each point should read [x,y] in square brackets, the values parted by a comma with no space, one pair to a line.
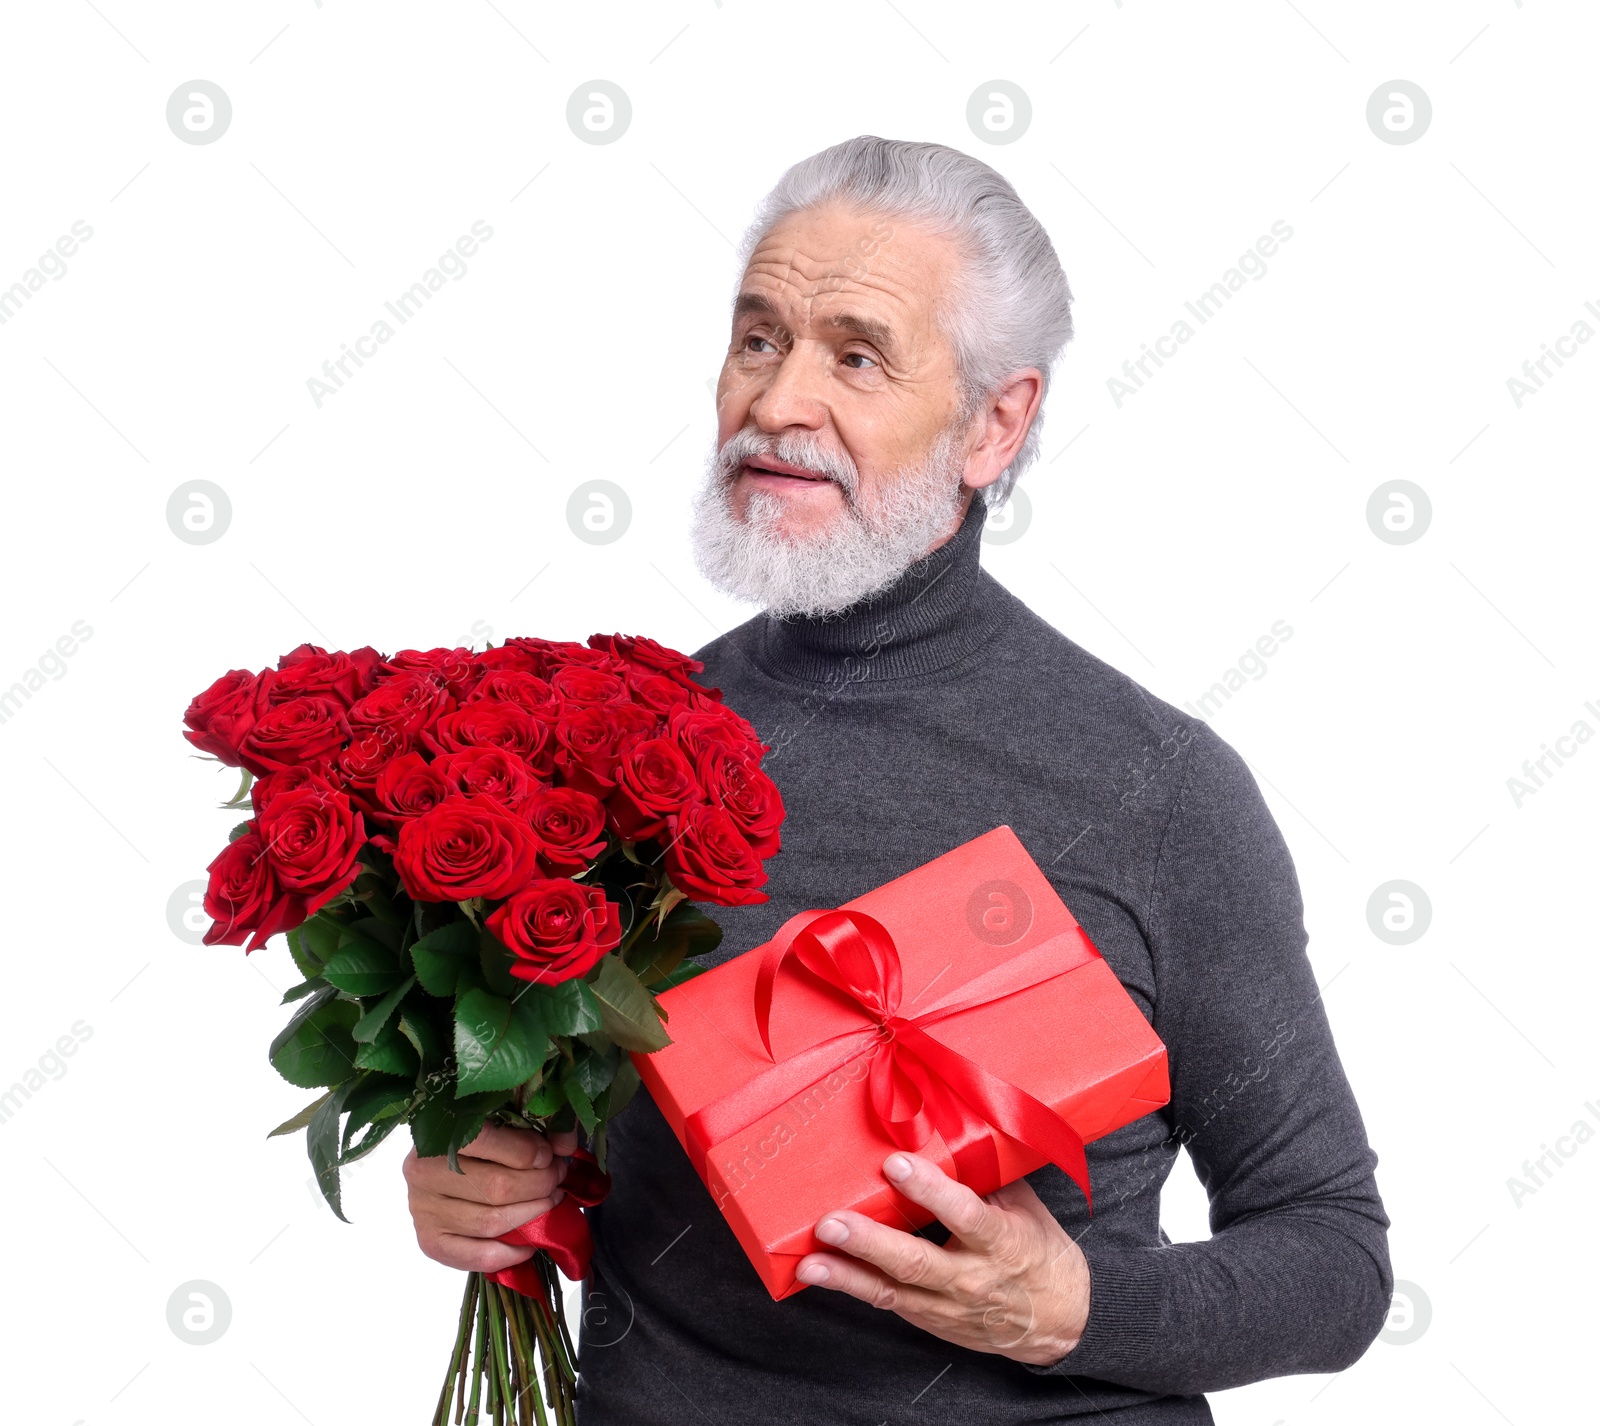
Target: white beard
[864,550]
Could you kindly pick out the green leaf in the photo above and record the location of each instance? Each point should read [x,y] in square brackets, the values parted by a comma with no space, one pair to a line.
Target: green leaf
[545,1100]
[375,1135]
[315,1050]
[313,943]
[380,1105]
[322,1144]
[363,966]
[391,1053]
[469,1122]
[594,1070]
[238,831]
[375,1019]
[687,971]
[420,1024]
[702,932]
[581,1104]
[621,1090]
[375,930]
[440,1124]
[570,1007]
[372,890]
[299,992]
[431,1124]
[496,960]
[439,955]
[686,931]
[499,1043]
[301,1119]
[627,1010]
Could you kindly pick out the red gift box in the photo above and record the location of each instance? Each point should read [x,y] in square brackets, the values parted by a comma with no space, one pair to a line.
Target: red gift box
[959,1011]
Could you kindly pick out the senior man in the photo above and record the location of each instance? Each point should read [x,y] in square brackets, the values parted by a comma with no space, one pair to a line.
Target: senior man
[894,329]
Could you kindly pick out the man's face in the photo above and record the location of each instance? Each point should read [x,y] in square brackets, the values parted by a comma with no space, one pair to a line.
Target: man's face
[835,341]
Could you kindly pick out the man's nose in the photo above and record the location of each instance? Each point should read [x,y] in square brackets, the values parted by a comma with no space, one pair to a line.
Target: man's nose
[795,392]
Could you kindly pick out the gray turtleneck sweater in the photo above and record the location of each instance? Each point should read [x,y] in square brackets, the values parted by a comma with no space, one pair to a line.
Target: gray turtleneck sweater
[922,718]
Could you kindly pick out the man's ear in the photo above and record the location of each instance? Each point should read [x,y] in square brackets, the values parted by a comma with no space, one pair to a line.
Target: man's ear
[1001,425]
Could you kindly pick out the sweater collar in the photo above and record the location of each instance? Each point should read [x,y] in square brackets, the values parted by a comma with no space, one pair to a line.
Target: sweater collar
[927,620]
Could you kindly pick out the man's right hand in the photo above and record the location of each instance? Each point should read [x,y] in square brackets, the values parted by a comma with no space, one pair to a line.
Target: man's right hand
[509,1177]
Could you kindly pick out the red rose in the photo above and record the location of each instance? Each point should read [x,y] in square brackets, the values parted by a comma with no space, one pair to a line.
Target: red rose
[465,847]
[403,706]
[218,719]
[302,732]
[557,930]
[571,827]
[531,694]
[509,658]
[312,837]
[546,655]
[243,898]
[454,670]
[265,790]
[654,780]
[745,793]
[366,657]
[648,654]
[406,788]
[360,764]
[590,740]
[583,687]
[494,772]
[710,860]
[696,728]
[658,693]
[310,671]
[559,656]
[488,724]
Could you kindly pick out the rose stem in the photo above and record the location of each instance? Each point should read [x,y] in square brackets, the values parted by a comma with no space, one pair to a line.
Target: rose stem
[526,1354]
[461,1379]
[519,1384]
[569,1357]
[502,1332]
[552,1377]
[477,1358]
[520,1379]
[468,1301]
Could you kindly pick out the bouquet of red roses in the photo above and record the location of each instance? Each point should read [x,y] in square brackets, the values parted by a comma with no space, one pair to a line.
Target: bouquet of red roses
[485,864]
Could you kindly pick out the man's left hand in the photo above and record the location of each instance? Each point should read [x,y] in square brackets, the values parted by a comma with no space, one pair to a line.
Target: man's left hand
[1010,1280]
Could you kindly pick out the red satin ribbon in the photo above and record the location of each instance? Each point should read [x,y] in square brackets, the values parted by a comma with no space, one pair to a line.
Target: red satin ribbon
[563,1232]
[916,1085]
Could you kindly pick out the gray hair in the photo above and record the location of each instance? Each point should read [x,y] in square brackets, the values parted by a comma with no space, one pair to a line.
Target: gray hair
[1011,309]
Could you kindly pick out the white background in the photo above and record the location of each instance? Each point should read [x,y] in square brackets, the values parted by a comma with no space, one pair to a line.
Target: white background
[414,507]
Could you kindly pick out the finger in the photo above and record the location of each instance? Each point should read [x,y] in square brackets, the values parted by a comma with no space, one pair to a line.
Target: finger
[565,1143]
[974,1222]
[515,1148]
[1019,1197]
[900,1256]
[478,1220]
[481,1181]
[477,1255]
[863,1282]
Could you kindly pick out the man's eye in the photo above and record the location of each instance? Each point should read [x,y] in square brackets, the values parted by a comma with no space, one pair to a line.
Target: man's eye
[859,361]
[759,344]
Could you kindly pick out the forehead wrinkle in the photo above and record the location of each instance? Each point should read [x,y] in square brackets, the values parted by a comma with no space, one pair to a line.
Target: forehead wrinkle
[832,291]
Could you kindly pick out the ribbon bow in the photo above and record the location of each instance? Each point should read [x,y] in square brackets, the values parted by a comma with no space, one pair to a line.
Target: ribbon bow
[916,1085]
[563,1232]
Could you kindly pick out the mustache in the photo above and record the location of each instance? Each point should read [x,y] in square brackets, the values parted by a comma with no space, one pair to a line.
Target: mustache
[805,451]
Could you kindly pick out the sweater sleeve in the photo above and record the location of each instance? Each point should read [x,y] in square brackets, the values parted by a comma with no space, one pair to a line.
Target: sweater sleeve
[1296,1275]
